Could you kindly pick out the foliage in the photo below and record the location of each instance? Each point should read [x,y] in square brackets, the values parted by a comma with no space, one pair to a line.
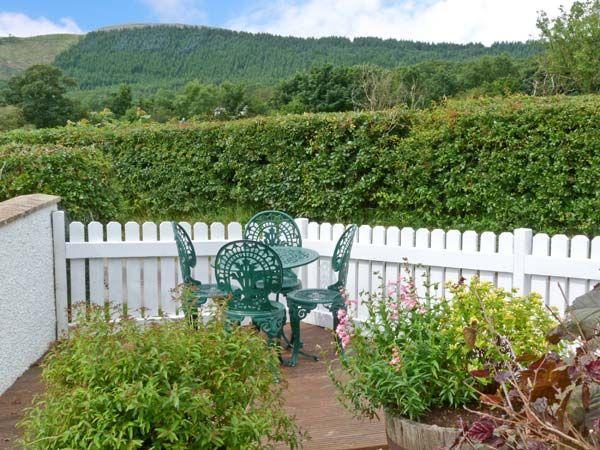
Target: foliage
[119,102]
[482,319]
[11,117]
[116,385]
[322,89]
[40,92]
[82,177]
[571,62]
[487,164]
[553,402]
[414,354]
[167,56]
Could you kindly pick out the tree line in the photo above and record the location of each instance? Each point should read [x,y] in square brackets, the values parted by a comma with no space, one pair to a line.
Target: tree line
[570,64]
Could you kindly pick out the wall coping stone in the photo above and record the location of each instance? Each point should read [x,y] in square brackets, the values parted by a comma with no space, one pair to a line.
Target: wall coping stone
[23,205]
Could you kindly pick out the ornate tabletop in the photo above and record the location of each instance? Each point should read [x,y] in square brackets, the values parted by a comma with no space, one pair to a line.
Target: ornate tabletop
[295,256]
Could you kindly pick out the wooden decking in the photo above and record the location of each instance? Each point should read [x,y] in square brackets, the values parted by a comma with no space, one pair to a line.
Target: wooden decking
[310,397]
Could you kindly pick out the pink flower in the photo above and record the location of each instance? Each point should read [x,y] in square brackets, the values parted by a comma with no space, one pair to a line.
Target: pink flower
[396,360]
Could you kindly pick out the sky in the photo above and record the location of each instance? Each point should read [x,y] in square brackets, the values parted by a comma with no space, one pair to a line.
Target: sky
[459,21]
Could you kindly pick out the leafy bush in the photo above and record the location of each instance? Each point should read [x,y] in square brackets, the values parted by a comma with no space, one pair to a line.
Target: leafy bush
[553,402]
[83,177]
[162,385]
[11,117]
[414,354]
[482,319]
[480,164]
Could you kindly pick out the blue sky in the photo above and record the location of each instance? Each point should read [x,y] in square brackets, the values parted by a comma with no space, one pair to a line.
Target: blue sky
[427,20]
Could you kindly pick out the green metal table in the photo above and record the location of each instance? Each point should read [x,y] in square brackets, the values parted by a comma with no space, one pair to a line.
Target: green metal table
[292,257]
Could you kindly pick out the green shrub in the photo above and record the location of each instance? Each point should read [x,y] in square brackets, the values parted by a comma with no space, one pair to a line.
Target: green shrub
[482,318]
[162,385]
[481,164]
[81,176]
[413,354]
[11,117]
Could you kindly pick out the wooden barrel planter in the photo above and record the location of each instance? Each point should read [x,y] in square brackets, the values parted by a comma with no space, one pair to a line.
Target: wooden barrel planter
[404,434]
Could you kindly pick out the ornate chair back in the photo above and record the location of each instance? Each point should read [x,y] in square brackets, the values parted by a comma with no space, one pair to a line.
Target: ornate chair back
[187,254]
[341,257]
[249,271]
[273,228]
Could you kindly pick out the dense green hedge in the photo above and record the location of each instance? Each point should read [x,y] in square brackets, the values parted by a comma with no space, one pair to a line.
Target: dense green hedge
[83,177]
[485,164]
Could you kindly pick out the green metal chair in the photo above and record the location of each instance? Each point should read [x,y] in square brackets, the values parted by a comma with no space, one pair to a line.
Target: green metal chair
[199,292]
[249,271]
[276,228]
[303,301]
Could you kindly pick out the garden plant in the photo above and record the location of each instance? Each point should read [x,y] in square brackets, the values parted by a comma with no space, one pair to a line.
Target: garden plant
[163,385]
[413,355]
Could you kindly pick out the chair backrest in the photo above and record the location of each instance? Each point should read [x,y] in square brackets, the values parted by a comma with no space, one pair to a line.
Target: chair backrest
[274,228]
[187,254]
[341,256]
[249,271]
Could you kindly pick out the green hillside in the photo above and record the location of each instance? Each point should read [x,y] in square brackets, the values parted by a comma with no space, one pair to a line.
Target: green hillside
[166,56]
[17,54]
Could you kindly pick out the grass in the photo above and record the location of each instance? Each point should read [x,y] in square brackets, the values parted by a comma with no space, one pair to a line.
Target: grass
[17,54]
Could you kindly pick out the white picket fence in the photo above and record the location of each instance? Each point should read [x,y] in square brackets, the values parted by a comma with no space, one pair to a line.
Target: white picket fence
[137,264]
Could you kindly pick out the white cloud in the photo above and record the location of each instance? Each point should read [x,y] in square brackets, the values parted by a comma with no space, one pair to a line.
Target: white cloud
[21,25]
[186,11]
[458,21]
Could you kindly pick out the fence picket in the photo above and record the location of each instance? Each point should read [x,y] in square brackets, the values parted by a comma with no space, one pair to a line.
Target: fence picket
[96,266]
[422,272]
[505,247]
[487,246]
[202,271]
[133,273]
[115,269]
[469,245]
[377,272]
[312,275]
[407,240]
[559,247]
[364,270]
[325,272]
[167,272]
[392,270]
[78,285]
[580,248]
[595,258]
[150,273]
[540,247]
[453,242]
[438,242]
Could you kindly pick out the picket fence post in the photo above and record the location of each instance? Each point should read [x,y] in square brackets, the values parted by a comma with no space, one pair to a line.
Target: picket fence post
[60,273]
[522,244]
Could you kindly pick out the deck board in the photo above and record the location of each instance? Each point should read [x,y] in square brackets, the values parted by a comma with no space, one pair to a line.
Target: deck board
[311,397]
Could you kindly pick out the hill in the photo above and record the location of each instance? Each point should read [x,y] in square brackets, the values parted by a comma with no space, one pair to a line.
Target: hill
[17,54]
[166,56]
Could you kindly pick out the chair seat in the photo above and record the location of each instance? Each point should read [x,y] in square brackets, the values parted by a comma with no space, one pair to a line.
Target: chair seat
[278,310]
[312,297]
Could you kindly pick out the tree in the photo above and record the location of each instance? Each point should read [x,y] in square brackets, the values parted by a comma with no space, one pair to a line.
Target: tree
[322,89]
[572,60]
[120,102]
[11,117]
[40,93]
